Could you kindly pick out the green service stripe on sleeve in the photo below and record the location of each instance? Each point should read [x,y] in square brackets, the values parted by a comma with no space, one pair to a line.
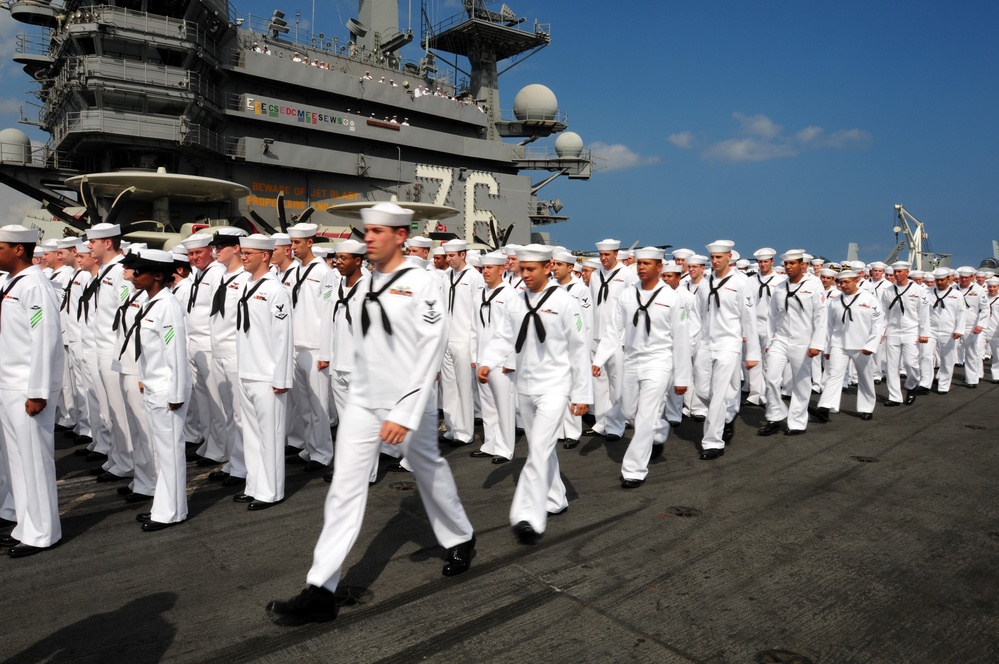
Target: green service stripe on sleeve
[36,318]
[168,337]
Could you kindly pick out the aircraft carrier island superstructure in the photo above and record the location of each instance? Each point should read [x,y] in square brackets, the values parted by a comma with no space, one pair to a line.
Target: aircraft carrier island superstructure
[192,88]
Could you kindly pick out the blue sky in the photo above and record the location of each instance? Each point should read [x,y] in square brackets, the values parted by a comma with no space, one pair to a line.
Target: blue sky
[789,124]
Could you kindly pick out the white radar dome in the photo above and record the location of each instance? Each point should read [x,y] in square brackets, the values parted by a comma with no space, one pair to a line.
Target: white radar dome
[535,102]
[15,146]
[569,144]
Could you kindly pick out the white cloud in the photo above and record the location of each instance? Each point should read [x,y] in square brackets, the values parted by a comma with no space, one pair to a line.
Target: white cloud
[618,157]
[765,139]
[683,140]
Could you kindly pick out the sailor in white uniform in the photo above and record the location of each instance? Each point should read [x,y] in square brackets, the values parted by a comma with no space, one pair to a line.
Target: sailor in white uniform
[400,335]
[796,332]
[764,282]
[73,381]
[497,395]
[32,351]
[907,327]
[111,292]
[265,358]
[947,312]
[563,263]
[972,346]
[463,286]
[672,276]
[696,404]
[729,322]
[310,422]
[650,323]
[877,283]
[160,348]
[543,328]
[605,285]
[856,325]
[991,332]
[206,273]
[224,383]
[84,310]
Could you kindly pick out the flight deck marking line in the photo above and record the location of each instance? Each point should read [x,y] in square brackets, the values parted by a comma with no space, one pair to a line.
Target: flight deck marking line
[261,646]
[76,501]
[195,483]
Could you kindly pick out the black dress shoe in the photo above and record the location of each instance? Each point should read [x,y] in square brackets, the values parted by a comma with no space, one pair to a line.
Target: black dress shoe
[995,382]
[153,526]
[570,444]
[498,460]
[144,517]
[205,461]
[23,550]
[69,433]
[657,451]
[217,475]
[910,398]
[123,491]
[291,449]
[525,533]
[971,387]
[233,481]
[866,416]
[191,455]
[769,429]
[96,456]
[242,498]
[477,421]
[612,438]
[877,381]
[747,402]
[328,477]
[821,414]
[673,425]
[8,541]
[924,390]
[459,443]
[137,498]
[311,605]
[109,477]
[728,432]
[712,454]
[397,468]
[794,432]
[84,440]
[592,432]
[258,505]
[459,557]
[698,418]
[479,454]
[313,466]
[892,404]
[81,452]
[519,431]
[631,484]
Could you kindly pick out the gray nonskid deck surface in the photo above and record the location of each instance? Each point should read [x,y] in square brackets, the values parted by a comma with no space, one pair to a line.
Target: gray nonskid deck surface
[794,545]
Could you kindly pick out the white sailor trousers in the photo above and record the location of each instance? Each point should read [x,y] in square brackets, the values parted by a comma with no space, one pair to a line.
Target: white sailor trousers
[779,356]
[722,395]
[642,402]
[756,380]
[30,451]
[143,459]
[68,411]
[994,348]
[607,395]
[927,353]
[339,387]
[192,426]
[226,379]
[697,398]
[498,399]
[902,356]
[120,455]
[974,350]
[166,432]
[947,350]
[7,511]
[74,351]
[357,445]
[832,385]
[310,394]
[456,391]
[209,409]
[264,424]
[539,488]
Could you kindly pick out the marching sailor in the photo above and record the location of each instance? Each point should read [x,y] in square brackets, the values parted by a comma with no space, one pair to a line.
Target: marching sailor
[562,264]
[265,361]
[796,333]
[947,312]
[764,283]
[543,328]
[976,315]
[400,335]
[650,322]
[907,325]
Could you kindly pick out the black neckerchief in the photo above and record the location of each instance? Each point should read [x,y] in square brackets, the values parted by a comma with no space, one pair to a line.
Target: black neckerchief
[532,314]
[198,278]
[65,292]
[604,291]
[846,307]
[243,309]
[345,300]
[218,299]
[454,283]
[135,329]
[488,304]
[940,299]
[372,296]
[119,315]
[713,290]
[298,284]
[794,294]
[644,309]
[765,285]
[898,298]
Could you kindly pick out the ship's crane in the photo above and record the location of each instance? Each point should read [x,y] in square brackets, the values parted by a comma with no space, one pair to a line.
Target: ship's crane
[915,233]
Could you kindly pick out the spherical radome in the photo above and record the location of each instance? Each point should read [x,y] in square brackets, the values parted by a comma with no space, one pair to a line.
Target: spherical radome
[569,144]
[535,102]
[15,146]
